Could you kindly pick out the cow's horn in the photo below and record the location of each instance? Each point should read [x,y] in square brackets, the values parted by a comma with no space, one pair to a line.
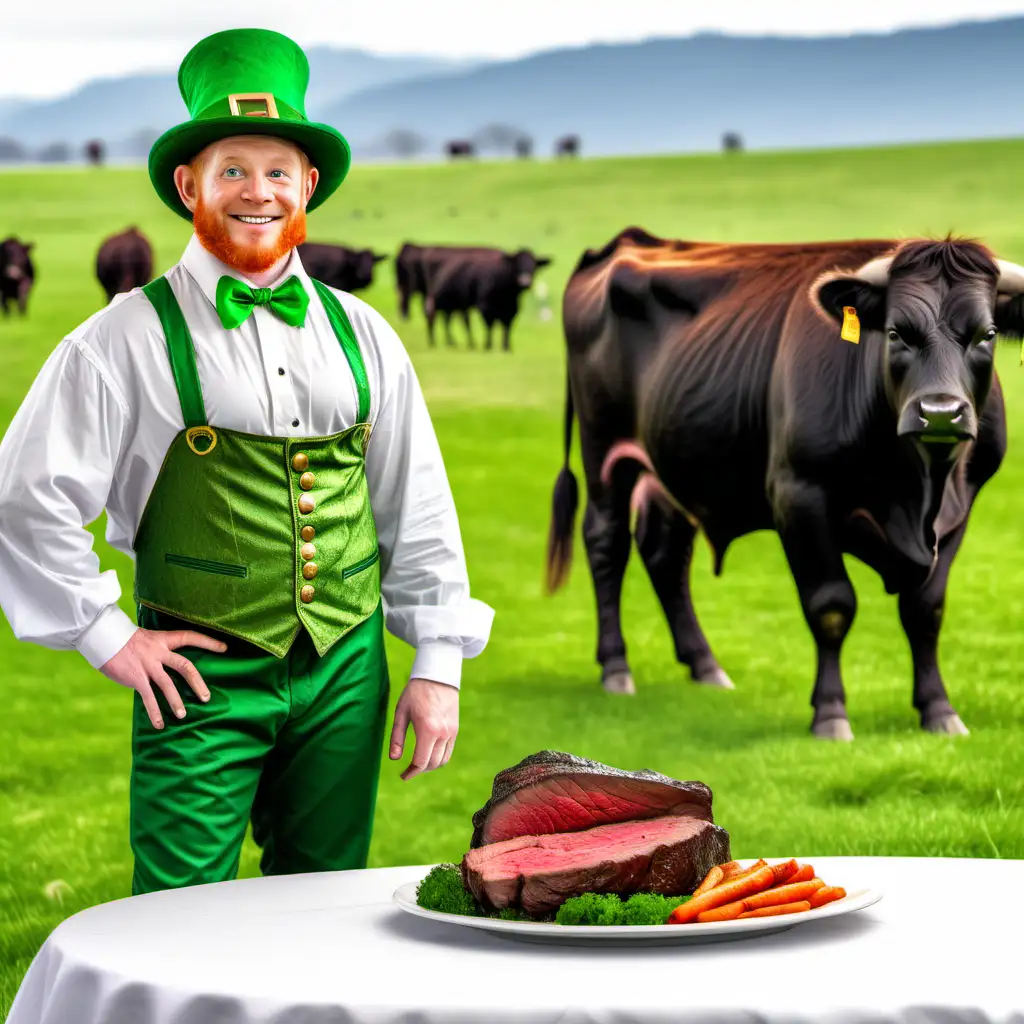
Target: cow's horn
[1011,278]
[876,271]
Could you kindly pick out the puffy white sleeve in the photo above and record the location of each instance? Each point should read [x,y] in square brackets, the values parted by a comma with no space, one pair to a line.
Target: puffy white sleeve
[57,461]
[424,578]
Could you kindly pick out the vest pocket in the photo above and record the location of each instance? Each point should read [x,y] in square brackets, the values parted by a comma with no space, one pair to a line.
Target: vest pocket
[360,566]
[206,565]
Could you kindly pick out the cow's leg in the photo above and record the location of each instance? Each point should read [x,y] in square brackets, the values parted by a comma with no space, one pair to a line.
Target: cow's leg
[3,305]
[469,329]
[23,289]
[826,594]
[507,341]
[449,340]
[490,336]
[608,541]
[666,546]
[430,311]
[921,615]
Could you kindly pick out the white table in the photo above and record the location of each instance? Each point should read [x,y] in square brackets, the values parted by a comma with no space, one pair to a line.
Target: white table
[332,948]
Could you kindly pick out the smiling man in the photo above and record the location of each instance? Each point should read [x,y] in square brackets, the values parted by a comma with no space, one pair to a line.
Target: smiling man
[262,449]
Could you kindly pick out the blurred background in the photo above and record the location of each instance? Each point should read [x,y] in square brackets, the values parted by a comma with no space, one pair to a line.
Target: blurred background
[551,127]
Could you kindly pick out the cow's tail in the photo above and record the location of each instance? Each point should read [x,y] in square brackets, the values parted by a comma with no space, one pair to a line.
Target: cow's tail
[563,510]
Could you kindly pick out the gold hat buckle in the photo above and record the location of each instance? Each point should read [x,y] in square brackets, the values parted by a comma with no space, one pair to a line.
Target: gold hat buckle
[263,104]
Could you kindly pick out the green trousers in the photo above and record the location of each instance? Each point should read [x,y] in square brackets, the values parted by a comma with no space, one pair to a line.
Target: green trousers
[292,744]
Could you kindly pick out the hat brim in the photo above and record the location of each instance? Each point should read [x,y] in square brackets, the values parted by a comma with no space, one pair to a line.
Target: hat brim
[325,146]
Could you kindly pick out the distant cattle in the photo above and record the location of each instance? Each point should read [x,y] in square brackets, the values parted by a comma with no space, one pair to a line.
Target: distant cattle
[459,149]
[843,394]
[124,262]
[568,145]
[349,270]
[94,152]
[408,276]
[732,142]
[487,280]
[524,147]
[17,274]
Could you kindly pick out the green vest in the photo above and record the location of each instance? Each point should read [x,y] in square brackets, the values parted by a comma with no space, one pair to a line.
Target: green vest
[258,536]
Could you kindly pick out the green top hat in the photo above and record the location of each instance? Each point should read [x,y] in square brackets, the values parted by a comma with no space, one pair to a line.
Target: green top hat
[246,81]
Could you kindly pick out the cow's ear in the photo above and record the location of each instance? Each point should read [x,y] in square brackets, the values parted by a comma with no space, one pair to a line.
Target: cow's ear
[29,246]
[543,261]
[377,259]
[1010,316]
[831,294]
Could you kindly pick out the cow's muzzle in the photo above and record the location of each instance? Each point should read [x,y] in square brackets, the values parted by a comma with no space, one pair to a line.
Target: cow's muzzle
[939,419]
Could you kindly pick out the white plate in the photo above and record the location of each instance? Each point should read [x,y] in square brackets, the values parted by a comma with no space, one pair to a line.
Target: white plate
[639,935]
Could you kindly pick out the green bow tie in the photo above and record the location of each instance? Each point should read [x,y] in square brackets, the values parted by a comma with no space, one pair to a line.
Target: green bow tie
[236,300]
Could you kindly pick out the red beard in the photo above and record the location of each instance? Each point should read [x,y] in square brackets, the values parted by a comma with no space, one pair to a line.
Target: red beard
[211,230]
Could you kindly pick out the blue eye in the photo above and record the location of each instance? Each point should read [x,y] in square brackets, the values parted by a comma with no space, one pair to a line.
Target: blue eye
[232,170]
[272,173]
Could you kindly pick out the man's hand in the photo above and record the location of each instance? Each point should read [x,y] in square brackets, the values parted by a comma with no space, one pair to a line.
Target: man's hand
[433,711]
[141,662]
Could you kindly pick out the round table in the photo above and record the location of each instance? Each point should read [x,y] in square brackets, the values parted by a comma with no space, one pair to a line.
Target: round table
[941,946]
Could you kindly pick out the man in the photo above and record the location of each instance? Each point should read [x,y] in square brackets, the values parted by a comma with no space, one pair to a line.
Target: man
[264,453]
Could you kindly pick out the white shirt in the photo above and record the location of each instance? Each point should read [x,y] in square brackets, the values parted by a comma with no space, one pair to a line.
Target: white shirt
[95,426]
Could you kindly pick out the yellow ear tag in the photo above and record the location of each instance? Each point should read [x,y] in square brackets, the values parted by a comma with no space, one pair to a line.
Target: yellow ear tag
[851,325]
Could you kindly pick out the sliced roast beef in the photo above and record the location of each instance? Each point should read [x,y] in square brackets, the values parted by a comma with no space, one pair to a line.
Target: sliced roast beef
[668,855]
[556,792]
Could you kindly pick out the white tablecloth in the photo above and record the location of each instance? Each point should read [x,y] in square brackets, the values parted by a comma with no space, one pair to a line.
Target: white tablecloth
[942,946]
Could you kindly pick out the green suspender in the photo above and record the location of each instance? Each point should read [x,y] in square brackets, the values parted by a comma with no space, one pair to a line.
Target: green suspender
[179,345]
[343,329]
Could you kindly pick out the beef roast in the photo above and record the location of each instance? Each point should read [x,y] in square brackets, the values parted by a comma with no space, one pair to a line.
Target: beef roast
[556,792]
[668,855]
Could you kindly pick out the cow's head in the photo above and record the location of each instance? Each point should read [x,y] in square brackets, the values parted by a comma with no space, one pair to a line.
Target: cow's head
[15,263]
[526,265]
[938,306]
[364,261]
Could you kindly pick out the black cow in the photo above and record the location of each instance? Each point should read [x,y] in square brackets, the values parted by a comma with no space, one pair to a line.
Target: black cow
[17,274]
[346,269]
[714,379]
[567,145]
[124,262]
[488,280]
[408,275]
[459,148]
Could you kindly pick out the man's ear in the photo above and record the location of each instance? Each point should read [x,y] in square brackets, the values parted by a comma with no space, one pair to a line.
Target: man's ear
[187,184]
[834,291]
[311,180]
[1010,316]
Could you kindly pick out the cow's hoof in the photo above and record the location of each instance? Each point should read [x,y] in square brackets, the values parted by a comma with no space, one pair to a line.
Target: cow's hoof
[949,724]
[833,729]
[715,677]
[619,682]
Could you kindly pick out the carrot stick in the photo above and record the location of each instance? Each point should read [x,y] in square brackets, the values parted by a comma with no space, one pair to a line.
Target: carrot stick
[827,894]
[785,908]
[805,874]
[780,895]
[711,879]
[730,869]
[785,871]
[743,872]
[728,912]
[727,892]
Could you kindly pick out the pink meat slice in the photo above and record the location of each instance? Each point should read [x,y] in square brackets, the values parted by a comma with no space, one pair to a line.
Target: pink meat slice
[668,855]
[553,791]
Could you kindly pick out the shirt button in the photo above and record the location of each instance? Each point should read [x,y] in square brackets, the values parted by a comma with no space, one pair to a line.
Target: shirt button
[308,551]
[300,461]
[307,533]
[295,423]
[306,481]
[309,570]
[306,593]
[280,370]
[306,503]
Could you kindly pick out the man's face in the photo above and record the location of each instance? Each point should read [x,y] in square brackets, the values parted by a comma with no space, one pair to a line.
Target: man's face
[248,196]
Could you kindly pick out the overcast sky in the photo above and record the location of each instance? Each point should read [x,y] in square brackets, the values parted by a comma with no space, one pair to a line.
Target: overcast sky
[49,48]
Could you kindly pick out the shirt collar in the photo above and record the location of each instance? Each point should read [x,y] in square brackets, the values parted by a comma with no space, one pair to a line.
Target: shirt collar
[206,270]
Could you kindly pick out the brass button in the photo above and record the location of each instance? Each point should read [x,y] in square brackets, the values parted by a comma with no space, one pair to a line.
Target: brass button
[308,551]
[306,481]
[307,533]
[309,570]
[300,461]
[306,503]
[306,593]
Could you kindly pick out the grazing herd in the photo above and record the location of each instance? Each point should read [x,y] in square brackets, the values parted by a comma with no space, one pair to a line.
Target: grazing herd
[449,279]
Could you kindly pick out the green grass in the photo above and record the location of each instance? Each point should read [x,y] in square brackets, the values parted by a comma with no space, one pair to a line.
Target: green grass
[64,755]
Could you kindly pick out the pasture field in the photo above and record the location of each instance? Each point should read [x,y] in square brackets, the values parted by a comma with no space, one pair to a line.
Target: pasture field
[64,735]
